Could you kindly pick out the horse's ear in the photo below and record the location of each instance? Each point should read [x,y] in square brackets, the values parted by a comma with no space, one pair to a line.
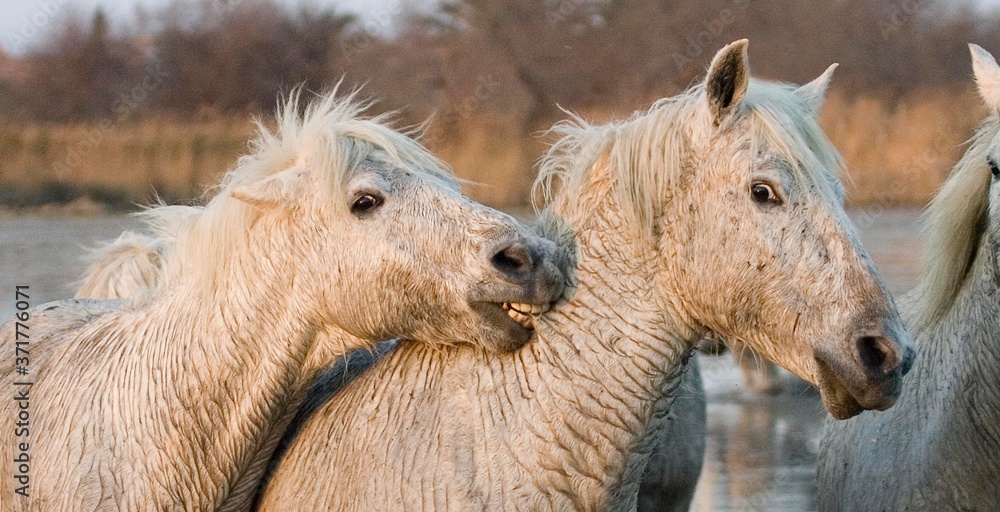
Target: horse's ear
[987,73]
[727,80]
[274,191]
[812,93]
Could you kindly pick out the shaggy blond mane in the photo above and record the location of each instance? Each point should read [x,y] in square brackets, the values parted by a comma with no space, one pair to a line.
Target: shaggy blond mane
[954,224]
[333,137]
[329,137]
[122,268]
[647,152]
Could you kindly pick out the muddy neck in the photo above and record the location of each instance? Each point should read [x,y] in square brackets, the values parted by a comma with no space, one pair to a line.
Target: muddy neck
[608,361]
[236,369]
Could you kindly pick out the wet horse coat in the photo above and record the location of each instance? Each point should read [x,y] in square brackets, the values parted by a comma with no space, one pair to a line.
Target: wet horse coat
[568,421]
[173,399]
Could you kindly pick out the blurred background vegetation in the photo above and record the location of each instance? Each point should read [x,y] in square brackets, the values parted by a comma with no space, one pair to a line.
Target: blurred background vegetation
[116,115]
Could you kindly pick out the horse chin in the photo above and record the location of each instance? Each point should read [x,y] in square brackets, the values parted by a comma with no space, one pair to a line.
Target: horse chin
[843,403]
[837,400]
[499,332]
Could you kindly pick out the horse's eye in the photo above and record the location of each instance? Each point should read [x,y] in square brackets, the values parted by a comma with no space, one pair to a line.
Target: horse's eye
[763,193]
[365,203]
[993,167]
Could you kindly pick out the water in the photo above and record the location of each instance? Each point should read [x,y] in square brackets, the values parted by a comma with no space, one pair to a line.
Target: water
[46,253]
[761,451]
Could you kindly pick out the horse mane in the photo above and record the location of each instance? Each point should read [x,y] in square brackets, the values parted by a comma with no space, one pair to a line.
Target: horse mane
[330,136]
[954,224]
[122,268]
[646,153]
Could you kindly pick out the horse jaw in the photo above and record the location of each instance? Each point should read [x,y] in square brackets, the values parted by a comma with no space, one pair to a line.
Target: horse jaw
[837,400]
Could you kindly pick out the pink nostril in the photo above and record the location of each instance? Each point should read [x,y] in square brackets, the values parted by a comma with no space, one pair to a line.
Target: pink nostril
[513,260]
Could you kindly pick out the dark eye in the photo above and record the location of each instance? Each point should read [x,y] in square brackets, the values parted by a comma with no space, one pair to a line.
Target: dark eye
[763,193]
[365,203]
[993,167]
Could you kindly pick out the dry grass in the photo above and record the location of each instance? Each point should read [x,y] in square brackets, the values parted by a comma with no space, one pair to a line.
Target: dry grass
[135,160]
[897,153]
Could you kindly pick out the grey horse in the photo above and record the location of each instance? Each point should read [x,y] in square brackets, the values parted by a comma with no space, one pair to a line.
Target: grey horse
[939,447]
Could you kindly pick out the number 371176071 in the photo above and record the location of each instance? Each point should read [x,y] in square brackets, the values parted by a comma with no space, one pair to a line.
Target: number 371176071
[21,335]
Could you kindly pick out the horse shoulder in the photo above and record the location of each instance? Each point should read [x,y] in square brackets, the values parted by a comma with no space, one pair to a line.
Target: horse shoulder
[48,327]
[48,330]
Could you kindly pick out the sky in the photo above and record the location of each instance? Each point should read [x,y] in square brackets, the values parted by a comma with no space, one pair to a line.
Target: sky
[26,23]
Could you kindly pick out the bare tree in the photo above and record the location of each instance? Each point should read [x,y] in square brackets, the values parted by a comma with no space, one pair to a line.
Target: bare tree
[82,73]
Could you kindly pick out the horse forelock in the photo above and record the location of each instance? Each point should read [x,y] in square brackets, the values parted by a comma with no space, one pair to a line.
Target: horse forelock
[331,136]
[954,225]
[788,125]
[646,153]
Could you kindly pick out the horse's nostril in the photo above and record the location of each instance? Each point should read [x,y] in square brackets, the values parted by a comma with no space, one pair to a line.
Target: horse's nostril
[514,259]
[908,356]
[877,354]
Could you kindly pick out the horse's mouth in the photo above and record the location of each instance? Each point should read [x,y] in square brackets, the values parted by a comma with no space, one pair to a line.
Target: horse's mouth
[843,402]
[510,324]
[837,400]
[525,313]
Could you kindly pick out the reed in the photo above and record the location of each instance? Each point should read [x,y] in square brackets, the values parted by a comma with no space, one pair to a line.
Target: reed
[898,152]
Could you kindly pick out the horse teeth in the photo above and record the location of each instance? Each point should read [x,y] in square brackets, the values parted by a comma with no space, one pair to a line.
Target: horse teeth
[527,309]
[520,318]
[524,313]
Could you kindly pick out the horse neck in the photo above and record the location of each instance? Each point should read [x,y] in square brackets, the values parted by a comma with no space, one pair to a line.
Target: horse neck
[560,424]
[605,365]
[236,357]
[960,351]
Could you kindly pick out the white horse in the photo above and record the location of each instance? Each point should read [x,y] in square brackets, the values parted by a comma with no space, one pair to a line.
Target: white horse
[131,265]
[939,447]
[716,211]
[134,262]
[333,233]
